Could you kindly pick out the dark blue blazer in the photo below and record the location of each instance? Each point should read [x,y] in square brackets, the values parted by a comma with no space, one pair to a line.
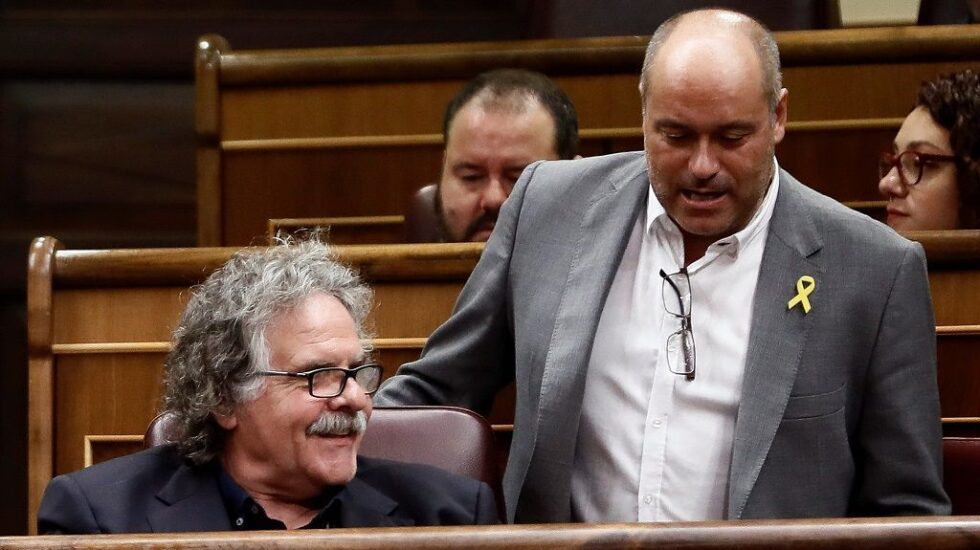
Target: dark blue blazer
[156,491]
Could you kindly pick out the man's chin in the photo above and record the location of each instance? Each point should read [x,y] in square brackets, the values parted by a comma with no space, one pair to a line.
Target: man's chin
[481,235]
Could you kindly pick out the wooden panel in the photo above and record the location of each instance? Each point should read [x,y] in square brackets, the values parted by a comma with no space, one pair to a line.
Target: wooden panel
[102,394]
[867,90]
[412,310]
[839,162]
[959,373]
[117,315]
[317,183]
[99,448]
[955,296]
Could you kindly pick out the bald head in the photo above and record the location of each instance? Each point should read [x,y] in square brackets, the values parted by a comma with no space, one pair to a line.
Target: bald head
[713,40]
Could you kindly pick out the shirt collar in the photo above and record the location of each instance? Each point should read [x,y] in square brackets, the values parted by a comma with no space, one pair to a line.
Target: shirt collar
[759,224]
[248,515]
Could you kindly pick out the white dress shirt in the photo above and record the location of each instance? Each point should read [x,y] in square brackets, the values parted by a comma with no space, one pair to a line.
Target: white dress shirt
[653,445]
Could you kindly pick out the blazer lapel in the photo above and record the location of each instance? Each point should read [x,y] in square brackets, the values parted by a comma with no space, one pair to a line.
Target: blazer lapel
[776,338]
[189,502]
[364,506]
[601,239]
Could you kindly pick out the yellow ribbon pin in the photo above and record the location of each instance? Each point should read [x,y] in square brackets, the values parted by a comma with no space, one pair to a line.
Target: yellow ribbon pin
[804,287]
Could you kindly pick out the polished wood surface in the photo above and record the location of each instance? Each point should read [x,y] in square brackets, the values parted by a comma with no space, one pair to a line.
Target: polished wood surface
[943,533]
[575,56]
[355,131]
[40,367]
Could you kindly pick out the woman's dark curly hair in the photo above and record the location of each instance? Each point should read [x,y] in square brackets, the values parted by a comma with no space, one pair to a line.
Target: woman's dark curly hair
[953,100]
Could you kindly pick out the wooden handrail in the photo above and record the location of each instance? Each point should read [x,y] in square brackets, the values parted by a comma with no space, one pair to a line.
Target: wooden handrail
[183,266]
[166,266]
[961,247]
[928,533]
[574,56]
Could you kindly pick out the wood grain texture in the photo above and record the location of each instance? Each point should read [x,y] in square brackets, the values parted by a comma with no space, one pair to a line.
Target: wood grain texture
[40,371]
[929,533]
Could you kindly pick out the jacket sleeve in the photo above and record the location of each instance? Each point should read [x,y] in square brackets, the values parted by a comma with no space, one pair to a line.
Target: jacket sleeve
[900,433]
[65,509]
[470,357]
[487,511]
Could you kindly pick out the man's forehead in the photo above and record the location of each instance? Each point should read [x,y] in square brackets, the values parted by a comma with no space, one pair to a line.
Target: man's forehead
[709,70]
[525,136]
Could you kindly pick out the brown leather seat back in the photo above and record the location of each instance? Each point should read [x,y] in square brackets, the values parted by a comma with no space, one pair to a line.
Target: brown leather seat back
[421,221]
[160,431]
[451,438]
[961,473]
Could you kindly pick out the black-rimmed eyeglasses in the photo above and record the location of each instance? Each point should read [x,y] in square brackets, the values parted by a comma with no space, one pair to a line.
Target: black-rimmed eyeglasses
[329,382]
[910,164]
[676,293]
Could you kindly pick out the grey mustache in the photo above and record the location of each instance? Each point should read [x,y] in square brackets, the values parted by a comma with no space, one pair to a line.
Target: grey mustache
[338,423]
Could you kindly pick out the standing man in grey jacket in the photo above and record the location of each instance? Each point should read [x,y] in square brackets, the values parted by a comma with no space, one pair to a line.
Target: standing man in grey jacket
[694,334]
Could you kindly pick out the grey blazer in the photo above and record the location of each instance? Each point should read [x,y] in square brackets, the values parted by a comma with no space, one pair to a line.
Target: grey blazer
[839,414]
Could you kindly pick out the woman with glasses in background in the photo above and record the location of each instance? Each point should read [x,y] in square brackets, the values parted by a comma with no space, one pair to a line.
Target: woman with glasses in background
[932,175]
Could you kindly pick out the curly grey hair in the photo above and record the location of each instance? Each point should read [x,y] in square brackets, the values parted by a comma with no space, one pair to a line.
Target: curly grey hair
[220,341]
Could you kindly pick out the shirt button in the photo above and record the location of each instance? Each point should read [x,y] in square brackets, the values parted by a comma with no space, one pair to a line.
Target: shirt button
[255,509]
[647,499]
[657,423]
[240,521]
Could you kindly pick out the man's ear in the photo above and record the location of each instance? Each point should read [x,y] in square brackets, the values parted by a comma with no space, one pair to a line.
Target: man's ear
[781,114]
[226,420]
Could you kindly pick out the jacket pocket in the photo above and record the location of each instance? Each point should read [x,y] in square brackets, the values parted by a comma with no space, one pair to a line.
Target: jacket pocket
[815,405]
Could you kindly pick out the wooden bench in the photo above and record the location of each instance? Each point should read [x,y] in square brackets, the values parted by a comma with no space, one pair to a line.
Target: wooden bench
[355,131]
[99,324]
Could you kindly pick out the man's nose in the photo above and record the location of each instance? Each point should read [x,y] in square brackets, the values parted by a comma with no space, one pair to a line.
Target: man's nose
[890,185]
[494,195]
[704,161]
[352,398]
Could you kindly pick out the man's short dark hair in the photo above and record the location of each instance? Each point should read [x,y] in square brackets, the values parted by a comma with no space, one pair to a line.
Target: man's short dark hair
[505,84]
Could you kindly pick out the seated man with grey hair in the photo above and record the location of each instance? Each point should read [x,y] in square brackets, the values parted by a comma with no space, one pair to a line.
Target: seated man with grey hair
[270,384]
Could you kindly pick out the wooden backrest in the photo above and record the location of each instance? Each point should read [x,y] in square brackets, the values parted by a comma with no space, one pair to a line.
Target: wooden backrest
[355,131]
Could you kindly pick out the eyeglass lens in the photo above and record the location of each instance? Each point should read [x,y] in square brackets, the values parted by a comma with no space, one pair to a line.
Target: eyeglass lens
[909,166]
[680,352]
[331,382]
[677,296]
[676,291]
